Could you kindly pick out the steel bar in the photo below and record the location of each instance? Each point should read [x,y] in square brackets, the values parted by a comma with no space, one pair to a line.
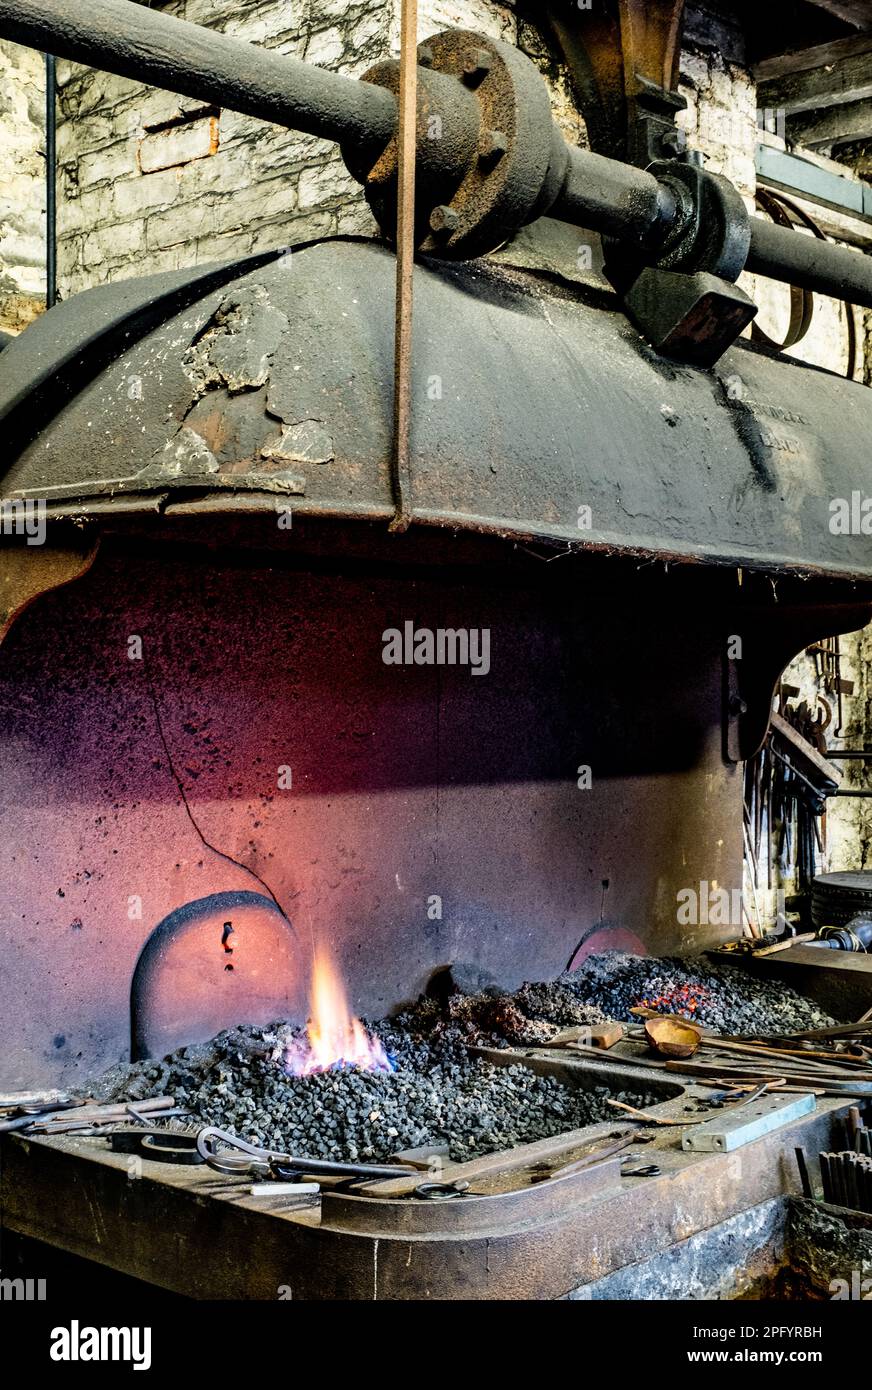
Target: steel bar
[802,1165]
[407,137]
[781,254]
[138,43]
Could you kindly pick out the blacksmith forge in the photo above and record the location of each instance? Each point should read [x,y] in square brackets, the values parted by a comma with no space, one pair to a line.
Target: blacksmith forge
[197,720]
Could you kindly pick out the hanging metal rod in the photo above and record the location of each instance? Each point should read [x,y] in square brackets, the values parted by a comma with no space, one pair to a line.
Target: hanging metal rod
[577,186]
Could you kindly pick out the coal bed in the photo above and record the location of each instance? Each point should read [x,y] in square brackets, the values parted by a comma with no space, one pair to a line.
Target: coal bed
[720,997]
[437,1093]
[433,1090]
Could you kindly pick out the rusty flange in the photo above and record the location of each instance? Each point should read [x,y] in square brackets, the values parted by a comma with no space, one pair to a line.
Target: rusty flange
[499,159]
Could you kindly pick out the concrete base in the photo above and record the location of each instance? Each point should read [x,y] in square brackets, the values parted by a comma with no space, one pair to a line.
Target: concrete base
[732,1260]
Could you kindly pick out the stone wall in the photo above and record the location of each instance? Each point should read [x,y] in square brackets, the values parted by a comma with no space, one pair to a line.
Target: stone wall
[146,176]
[22,187]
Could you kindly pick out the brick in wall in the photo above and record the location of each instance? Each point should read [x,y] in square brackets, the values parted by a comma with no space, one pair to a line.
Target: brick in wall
[22,188]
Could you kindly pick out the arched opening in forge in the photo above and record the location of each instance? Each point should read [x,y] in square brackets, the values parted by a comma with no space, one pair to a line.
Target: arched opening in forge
[217,961]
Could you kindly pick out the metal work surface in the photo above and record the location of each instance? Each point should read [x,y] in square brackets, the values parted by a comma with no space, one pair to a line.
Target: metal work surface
[278,387]
[839,981]
[731,1131]
[188,1230]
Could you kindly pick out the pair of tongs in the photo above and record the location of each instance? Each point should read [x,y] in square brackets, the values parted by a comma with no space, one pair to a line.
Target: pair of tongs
[245,1159]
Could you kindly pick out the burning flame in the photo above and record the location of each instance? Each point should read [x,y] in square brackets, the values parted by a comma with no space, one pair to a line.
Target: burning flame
[334,1037]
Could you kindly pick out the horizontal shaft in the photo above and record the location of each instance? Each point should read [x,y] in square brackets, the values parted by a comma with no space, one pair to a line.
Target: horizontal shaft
[138,43]
[627,203]
[614,199]
[801,260]
[599,194]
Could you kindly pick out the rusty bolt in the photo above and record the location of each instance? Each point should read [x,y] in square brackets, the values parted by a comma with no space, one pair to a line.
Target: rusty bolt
[476,66]
[444,220]
[492,146]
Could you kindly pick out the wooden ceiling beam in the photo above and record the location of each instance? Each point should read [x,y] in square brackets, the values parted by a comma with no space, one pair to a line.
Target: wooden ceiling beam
[831,75]
[856,12]
[832,126]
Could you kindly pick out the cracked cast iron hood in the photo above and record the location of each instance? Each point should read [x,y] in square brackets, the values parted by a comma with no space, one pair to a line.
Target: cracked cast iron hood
[538,413]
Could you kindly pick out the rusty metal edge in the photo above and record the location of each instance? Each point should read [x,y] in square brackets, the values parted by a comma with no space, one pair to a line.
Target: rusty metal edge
[643,547]
[159,1227]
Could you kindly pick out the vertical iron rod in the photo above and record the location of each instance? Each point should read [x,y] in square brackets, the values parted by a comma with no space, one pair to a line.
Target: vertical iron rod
[51,249]
[407,138]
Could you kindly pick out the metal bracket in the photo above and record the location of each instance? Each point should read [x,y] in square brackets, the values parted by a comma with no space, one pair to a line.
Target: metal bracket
[693,318]
[686,303]
[26,573]
[652,134]
[623,58]
[714,232]
[742,1125]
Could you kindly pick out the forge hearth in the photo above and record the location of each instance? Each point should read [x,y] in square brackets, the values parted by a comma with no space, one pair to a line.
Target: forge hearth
[429,1076]
[549,1186]
[541,1222]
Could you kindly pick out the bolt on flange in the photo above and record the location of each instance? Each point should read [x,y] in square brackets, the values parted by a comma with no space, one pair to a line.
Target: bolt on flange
[489,155]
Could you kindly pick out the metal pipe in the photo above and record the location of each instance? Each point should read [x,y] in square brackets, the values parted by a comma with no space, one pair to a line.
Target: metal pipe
[615,199]
[782,254]
[51,169]
[134,42]
[629,203]
[601,194]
